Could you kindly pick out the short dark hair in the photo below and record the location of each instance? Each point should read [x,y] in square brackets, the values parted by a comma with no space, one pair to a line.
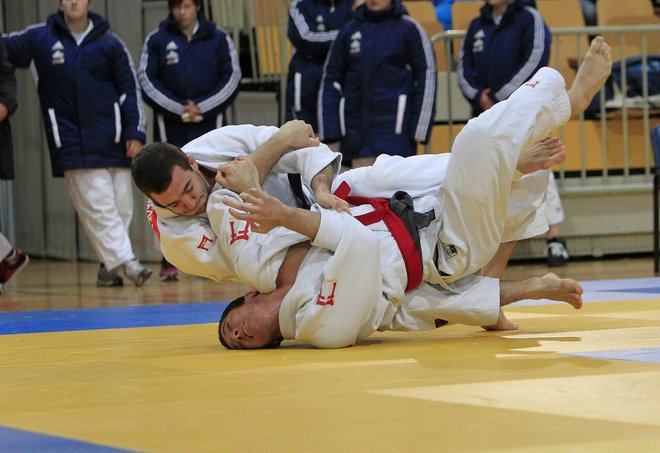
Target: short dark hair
[152,167]
[174,3]
[232,305]
[239,301]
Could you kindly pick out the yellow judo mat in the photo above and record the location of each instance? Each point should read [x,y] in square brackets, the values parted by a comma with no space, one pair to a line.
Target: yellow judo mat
[587,380]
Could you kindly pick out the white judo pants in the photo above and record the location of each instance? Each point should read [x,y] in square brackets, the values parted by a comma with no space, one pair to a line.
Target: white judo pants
[480,186]
[554,211]
[103,199]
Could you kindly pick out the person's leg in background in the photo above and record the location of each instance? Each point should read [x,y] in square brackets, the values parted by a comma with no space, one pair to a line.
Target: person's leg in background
[13,260]
[554,212]
[168,272]
[104,202]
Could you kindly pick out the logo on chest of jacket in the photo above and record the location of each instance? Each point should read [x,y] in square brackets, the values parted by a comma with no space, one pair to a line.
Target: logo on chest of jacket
[478,43]
[356,42]
[327,294]
[320,24]
[58,53]
[172,56]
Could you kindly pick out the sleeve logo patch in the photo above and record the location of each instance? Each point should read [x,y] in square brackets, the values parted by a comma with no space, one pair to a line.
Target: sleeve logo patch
[327,295]
[239,234]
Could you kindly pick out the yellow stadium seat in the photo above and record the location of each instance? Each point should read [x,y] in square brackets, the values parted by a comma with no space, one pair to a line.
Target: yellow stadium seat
[566,49]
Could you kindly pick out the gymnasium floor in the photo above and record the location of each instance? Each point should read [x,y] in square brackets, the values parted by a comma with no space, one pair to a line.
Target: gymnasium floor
[128,369]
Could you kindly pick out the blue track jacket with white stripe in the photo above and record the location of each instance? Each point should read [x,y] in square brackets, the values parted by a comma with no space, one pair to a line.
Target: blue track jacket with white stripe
[378,89]
[313,26]
[174,70]
[502,57]
[89,95]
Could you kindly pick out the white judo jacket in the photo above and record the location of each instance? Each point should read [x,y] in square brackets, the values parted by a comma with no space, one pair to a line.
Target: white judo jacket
[190,243]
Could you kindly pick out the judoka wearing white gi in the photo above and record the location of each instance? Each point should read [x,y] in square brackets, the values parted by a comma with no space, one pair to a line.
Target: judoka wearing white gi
[351,281]
[186,237]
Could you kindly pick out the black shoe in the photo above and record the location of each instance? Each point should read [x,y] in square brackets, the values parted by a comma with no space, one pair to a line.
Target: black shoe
[557,252]
[105,278]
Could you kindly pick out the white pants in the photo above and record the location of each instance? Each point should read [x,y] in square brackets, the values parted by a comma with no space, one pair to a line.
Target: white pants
[480,179]
[5,247]
[554,211]
[103,199]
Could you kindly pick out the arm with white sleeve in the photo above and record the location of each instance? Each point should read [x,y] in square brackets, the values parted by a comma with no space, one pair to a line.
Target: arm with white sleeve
[335,308]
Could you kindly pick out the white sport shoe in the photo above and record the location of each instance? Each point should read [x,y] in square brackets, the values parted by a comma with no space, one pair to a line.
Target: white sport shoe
[557,252]
[136,272]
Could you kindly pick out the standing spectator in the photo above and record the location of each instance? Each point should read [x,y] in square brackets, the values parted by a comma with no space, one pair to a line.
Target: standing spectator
[503,48]
[378,89]
[554,213]
[94,123]
[443,10]
[13,260]
[313,25]
[190,74]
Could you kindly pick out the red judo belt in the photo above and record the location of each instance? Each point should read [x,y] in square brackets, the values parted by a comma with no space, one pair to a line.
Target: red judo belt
[402,234]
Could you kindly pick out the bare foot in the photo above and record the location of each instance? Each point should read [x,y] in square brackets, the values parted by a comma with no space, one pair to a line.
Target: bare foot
[501,324]
[547,287]
[550,286]
[541,155]
[591,76]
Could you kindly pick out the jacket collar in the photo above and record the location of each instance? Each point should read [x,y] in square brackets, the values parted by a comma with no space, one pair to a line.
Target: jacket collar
[205,29]
[514,7]
[395,10]
[101,25]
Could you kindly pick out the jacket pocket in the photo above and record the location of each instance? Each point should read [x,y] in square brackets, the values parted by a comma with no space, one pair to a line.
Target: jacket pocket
[400,113]
[117,122]
[56,130]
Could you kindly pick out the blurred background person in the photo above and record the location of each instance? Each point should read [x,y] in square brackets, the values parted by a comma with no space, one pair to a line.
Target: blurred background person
[313,26]
[503,48]
[12,259]
[378,88]
[189,73]
[94,122]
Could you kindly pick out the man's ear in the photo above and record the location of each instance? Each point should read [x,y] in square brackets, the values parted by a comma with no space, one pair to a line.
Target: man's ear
[193,163]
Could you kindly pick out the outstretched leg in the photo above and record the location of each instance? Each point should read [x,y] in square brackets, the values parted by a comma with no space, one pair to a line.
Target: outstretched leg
[550,286]
[487,152]
[591,76]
